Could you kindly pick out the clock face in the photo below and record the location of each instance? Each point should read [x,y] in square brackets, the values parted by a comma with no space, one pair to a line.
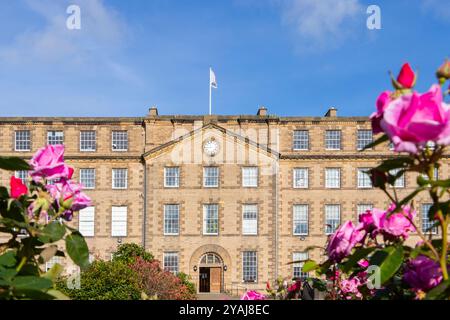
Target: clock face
[211,147]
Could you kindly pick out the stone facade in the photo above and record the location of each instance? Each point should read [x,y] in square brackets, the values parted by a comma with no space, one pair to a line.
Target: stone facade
[263,141]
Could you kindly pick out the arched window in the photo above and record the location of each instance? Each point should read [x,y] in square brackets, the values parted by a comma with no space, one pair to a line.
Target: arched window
[210,258]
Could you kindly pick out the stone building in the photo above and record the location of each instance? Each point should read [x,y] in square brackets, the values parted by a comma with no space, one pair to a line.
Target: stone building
[229,200]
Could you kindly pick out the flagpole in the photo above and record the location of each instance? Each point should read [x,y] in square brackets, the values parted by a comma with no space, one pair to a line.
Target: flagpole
[210,92]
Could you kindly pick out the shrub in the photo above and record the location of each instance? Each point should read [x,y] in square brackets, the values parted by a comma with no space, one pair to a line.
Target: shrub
[105,280]
[128,253]
[160,284]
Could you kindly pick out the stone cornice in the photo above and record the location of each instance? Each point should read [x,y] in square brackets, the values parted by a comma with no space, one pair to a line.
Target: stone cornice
[71,120]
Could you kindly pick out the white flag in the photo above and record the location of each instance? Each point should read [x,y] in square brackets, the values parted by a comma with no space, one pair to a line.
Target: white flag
[212,79]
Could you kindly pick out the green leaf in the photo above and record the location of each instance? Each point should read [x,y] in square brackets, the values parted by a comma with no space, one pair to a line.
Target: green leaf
[396,163]
[310,265]
[77,249]
[439,292]
[13,164]
[380,140]
[57,294]
[54,272]
[410,197]
[8,259]
[52,232]
[389,260]
[31,283]
[358,255]
[33,294]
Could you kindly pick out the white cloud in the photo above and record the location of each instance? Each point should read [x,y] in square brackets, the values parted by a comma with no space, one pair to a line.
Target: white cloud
[102,36]
[320,24]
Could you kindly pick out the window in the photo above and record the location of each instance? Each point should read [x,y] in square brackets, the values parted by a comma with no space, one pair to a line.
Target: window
[210,177]
[250,219]
[250,177]
[332,178]
[364,178]
[333,139]
[332,218]
[300,219]
[300,140]
[249,266]
[120,141]
[171,219]
[301,177]
[88,141]
[171,262]
[87,178]
[362,208]
[86,224]
[22,140]
[55,137]
[54,260]
[400,182]
[427,224]
[210,258]
[364,138]
[172,177]
[297,267]
[210,219]
[22,175]
[119,222]
[119,178]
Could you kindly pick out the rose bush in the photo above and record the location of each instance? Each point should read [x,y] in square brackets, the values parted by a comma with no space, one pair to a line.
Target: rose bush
[371,260]
[34,215]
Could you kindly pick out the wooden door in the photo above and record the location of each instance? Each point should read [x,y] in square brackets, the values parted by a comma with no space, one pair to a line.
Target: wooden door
[204,280]
[215,280]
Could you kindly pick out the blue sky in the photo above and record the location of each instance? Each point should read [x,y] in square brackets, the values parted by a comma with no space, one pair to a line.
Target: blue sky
[296,57]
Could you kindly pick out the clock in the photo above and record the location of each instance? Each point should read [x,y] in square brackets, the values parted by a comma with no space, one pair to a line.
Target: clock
[211,147]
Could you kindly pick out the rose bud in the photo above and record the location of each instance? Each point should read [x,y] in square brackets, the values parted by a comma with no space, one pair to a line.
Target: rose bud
[406,78]
[443,73]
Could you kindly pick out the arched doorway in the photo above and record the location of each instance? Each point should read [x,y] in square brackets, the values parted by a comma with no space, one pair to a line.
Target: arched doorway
[210,273]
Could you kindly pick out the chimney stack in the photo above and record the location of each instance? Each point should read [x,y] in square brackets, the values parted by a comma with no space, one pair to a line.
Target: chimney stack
[331,113]
[262,111]
[153,111]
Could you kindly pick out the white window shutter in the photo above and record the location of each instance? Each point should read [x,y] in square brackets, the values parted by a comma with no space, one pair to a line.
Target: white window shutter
[119,222]
[87,221]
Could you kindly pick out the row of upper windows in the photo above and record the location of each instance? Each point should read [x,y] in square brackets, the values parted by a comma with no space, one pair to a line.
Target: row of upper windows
[300,177]
[333,139]
[211,175]
[87,178]
[88,140]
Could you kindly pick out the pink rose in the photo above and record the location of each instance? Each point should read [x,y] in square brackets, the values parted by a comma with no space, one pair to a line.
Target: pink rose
[382,102]
[18,188]
[253,295]
[349,287]
[422,273]
[343,240]
[397,225]
[48,163]
[370,221]
[406,78]
[413,120]
[69,195]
